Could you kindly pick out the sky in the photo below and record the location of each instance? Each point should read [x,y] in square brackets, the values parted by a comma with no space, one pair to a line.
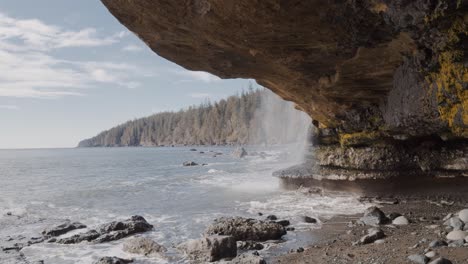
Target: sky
[69,69]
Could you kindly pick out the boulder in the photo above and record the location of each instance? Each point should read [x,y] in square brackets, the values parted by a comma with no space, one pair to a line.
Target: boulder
[62,229]
[246,229]
[189,163]
[419,259]
[373,234]
[401,220]
[111,231]
[248,259]
[457,235]
[210,248]
[310,220]
[239,153]
[463,215]
[441,261]
[373,216]
[113,260]
[143,246]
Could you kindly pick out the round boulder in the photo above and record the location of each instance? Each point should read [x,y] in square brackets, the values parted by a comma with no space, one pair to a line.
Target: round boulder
[457,235]
[401,220]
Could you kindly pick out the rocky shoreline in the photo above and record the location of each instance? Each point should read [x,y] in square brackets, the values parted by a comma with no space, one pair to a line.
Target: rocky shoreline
[396,230]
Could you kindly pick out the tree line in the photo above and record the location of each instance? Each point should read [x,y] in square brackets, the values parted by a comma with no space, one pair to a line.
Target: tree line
[238,120]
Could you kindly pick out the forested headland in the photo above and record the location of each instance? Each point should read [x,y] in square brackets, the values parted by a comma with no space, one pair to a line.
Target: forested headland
[252,117]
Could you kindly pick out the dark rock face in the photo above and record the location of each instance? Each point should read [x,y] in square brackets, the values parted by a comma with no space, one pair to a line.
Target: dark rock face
[62,229]
[210,248]
[246,229]
[111,231]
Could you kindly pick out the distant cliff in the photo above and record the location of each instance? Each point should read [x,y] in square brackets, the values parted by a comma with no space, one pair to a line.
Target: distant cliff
[242,119]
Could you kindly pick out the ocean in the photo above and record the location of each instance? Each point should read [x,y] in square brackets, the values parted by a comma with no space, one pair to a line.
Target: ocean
[43,187]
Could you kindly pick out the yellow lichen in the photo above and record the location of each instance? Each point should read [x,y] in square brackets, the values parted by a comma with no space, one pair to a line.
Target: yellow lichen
[358,138]
[449,80]
[452,98]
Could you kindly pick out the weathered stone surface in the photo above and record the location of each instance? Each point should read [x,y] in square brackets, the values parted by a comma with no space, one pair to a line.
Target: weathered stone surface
[246,229]
[113,260]
[210,248]
[62,229]
[143,246]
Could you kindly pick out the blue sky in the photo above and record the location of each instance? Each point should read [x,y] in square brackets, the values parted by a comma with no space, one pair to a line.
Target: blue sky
[69,70]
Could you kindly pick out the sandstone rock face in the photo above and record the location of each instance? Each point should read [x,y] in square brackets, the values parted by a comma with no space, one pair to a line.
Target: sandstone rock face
[371,69]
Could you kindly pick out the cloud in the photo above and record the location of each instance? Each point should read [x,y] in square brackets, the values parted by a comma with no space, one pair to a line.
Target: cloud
[197,76]
[28,69]
[9,107]
[33,34]
[200,95]
[132,48]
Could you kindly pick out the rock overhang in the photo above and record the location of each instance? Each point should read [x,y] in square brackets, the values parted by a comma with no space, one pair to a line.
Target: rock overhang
[366,70]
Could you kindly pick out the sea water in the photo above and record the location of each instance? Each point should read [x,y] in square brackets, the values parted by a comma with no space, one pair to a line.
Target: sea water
[43,187]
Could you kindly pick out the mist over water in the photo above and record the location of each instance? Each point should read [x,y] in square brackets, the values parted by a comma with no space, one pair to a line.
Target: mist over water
[279,123]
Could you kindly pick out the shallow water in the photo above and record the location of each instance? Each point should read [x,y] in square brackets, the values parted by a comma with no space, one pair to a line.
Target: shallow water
[43,187]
